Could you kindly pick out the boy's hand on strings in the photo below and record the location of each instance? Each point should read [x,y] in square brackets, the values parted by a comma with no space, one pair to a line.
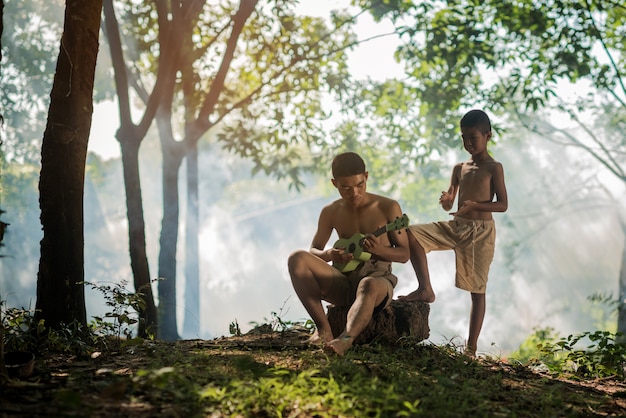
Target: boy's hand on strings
[371,244]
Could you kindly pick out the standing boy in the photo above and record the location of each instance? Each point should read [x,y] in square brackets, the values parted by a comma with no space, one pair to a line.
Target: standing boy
[471,234]
[368,288]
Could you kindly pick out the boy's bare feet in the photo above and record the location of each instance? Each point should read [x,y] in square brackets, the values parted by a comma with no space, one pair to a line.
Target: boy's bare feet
[317,339]
[341,345]
[419,295]
[470,352]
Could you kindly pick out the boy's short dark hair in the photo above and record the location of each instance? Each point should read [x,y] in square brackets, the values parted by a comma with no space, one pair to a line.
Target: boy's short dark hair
[347,164]
[476,119]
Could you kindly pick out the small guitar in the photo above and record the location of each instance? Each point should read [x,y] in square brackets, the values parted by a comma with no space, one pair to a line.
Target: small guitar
[354,244]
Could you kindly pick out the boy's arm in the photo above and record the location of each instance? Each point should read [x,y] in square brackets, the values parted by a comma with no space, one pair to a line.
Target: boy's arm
[447,198]
[501,203]
[399,250]
[322,235]
[325,226]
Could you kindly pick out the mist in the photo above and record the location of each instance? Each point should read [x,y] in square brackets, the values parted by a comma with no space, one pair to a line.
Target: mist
[559,243]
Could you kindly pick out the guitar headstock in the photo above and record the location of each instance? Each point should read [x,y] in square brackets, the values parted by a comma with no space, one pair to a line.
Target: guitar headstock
[399,223]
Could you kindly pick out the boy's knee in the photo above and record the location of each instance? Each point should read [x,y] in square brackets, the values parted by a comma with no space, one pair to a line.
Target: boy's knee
[296,259]
[374,289]
[370,285]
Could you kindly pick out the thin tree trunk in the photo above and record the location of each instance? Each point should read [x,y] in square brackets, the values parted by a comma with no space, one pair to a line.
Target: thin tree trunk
[194,129]
[130,137]
[621,309]
[3,372]
[148,318]
[60,291]
[168,242]
[191,324]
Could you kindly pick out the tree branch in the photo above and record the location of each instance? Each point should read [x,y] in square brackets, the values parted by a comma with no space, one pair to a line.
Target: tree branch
[615,170]
[164,81]
[618,171]
[202,123]
[609,55]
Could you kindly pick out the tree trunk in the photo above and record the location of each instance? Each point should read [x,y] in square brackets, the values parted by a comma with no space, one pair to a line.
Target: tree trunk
[3,372]
[60,292]
[399,319]
[621,308]
[168,242]
[148,320]
[194,129]
[130,137]
[191,324]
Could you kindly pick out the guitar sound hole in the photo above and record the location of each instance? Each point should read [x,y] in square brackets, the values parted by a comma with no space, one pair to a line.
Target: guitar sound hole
[351,248]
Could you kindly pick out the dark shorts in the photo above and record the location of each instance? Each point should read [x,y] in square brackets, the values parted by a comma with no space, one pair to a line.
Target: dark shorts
[344,291]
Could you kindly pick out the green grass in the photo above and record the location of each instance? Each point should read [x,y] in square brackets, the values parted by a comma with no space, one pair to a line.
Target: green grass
[370,381]
[238,377]
[269,373]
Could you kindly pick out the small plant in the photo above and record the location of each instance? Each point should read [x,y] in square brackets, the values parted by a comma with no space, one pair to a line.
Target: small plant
[277,323]
[74,338]
[20,330]
[125,307]
[234,329]
[603,356]
[528,351]
[23,333]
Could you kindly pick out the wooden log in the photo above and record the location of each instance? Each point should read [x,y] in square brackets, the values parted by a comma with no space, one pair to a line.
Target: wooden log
[399,319]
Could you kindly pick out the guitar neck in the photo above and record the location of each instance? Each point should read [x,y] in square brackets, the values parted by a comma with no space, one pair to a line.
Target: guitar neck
[392,226]
[380,231]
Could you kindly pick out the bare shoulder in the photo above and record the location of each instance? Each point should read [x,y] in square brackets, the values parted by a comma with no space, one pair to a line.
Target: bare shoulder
[382,200]
[492,169]
[387,205]
[494,165]
[332,208]
[458,167]
[491,161]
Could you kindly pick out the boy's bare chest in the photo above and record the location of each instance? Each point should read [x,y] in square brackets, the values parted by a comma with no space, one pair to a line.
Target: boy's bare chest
[475,182]
[475,174]
[349,224]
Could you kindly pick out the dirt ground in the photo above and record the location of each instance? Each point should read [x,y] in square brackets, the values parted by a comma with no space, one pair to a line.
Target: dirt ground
[103,385]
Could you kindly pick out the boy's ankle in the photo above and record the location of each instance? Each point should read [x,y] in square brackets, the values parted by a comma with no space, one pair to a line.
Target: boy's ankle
[469,351]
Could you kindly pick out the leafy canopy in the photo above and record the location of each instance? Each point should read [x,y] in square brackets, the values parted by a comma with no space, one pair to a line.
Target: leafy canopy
[502,55]
[272,106]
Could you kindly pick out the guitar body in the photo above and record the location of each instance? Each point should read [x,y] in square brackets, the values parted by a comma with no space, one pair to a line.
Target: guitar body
[354,245]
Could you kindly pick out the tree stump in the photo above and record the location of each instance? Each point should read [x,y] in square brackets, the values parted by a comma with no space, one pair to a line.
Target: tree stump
[399,319]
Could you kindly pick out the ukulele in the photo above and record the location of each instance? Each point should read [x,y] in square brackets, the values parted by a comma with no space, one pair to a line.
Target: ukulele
[354,244]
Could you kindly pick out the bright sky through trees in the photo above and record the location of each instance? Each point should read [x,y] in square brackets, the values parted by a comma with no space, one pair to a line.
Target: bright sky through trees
[373,59]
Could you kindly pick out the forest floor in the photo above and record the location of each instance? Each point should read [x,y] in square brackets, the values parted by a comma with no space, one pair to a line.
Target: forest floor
[275,374]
